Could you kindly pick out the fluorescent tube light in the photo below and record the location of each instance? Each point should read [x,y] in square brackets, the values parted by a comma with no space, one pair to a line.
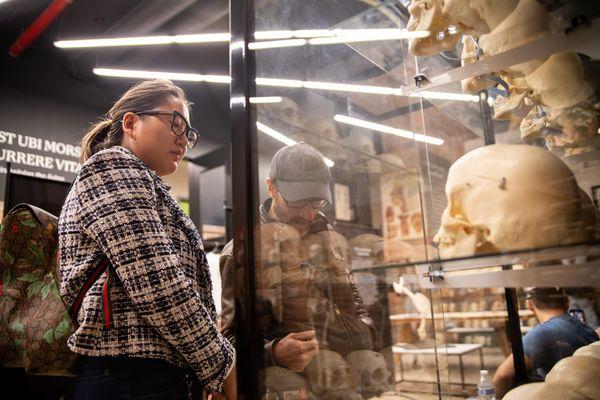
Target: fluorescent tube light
[276,44]
[265,100]
[175,76]
[388,129]
[284,139]
[143,40]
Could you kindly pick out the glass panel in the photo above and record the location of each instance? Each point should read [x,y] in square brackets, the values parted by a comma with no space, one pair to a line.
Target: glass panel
[412,279]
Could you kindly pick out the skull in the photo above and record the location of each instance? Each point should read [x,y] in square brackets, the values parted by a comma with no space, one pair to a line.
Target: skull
[579,374]
[578,127]
[367,245]
[323,134]
[363,158]
[391,162]
[329,254]
[558,82]
[493,12]
[397,250]
[505,197]
[427,15]
[463,16]
[279,245]
[524,392]
[286,110]
[370,370]
[329,374]
[283,380]
[469,55]
[528,22]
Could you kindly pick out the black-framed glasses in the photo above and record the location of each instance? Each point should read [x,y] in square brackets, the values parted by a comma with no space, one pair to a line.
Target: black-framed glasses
[179,125]
[315,203]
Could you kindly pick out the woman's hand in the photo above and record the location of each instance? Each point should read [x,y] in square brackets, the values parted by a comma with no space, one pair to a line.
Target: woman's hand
[229,388]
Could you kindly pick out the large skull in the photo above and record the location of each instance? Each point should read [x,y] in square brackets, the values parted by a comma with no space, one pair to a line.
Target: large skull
[427,15]
[505,197]
[370,370]
[329,375]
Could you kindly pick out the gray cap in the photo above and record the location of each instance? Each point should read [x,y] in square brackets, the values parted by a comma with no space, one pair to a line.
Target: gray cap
[301,173]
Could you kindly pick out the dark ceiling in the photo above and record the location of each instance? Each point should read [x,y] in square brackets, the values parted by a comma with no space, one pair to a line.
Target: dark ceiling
[66,75]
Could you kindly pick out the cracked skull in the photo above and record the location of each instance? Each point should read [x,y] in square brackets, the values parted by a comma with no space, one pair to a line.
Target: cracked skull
[505,197]
[428,15]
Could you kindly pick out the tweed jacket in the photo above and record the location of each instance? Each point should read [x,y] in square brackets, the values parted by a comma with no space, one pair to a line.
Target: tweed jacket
[160,289]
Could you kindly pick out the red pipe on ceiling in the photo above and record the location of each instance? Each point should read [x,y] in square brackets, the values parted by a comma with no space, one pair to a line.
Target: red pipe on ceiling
[37,27]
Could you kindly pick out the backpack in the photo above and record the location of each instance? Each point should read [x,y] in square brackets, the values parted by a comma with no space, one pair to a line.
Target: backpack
[34,322]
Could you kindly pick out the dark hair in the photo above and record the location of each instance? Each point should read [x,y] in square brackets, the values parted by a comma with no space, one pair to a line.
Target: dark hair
[549,298]
[145,95]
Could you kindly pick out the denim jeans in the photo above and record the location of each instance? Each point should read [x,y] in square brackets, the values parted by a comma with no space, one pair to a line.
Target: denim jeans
[108,378]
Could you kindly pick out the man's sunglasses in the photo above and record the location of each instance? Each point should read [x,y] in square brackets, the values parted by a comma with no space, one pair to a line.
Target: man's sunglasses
[179,125]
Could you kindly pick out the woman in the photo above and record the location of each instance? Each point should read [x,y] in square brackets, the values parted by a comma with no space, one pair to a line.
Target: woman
[147,324]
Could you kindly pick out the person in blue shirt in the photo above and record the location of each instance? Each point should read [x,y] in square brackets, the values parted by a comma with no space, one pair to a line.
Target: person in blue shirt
[557,336]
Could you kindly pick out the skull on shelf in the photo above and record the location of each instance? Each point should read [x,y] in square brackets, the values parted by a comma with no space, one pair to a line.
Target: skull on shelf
[391,162]
[558,82]
[367,245]
[329,374]
[362,157]
[329,254]
[428,15]
[322,134]
[461,14]
[370,370]
[397,250]
[506,197]
[281,380]
[287,110]
[528,22]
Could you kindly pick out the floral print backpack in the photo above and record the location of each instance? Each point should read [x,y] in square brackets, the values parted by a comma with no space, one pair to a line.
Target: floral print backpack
[34,322]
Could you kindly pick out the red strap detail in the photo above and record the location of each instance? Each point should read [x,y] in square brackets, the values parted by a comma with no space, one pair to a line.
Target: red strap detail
[106,301]
[100,268]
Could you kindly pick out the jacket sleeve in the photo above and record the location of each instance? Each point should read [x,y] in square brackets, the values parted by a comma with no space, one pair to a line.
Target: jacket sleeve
[118,210]
[227,268]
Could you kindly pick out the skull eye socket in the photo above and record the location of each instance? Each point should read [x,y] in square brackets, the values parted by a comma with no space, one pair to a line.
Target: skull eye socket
[378,374]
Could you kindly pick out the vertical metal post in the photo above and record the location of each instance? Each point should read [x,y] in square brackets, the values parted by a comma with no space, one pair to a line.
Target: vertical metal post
[510,294]
[489,136]
[244,169]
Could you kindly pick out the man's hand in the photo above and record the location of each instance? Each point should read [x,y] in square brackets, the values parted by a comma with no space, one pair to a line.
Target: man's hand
[296,350]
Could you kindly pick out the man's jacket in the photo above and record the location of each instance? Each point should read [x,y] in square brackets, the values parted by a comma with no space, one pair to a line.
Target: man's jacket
[304,291]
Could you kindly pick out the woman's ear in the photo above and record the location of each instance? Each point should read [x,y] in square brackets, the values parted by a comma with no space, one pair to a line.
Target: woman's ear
[128,123]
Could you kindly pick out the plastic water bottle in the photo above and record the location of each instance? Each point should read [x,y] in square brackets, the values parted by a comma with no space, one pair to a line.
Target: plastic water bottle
[485,388]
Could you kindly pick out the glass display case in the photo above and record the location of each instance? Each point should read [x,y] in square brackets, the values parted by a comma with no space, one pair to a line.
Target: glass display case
[463,146]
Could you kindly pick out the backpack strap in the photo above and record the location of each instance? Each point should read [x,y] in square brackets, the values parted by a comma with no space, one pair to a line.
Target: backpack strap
[102,267]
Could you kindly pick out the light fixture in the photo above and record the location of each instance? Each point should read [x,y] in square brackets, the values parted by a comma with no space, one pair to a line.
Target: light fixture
[284,139]
[175,76]
[266,100]
[291,83]
[272,44]
[366,35]
[143,40]
[388,129]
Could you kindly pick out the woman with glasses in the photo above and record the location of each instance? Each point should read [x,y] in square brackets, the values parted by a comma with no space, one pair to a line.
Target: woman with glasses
[146,324]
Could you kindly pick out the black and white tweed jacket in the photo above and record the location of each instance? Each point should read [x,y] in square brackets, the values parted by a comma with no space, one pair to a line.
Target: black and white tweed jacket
[160,287]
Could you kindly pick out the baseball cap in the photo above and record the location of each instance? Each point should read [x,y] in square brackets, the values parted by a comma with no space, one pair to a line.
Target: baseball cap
[301,173]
